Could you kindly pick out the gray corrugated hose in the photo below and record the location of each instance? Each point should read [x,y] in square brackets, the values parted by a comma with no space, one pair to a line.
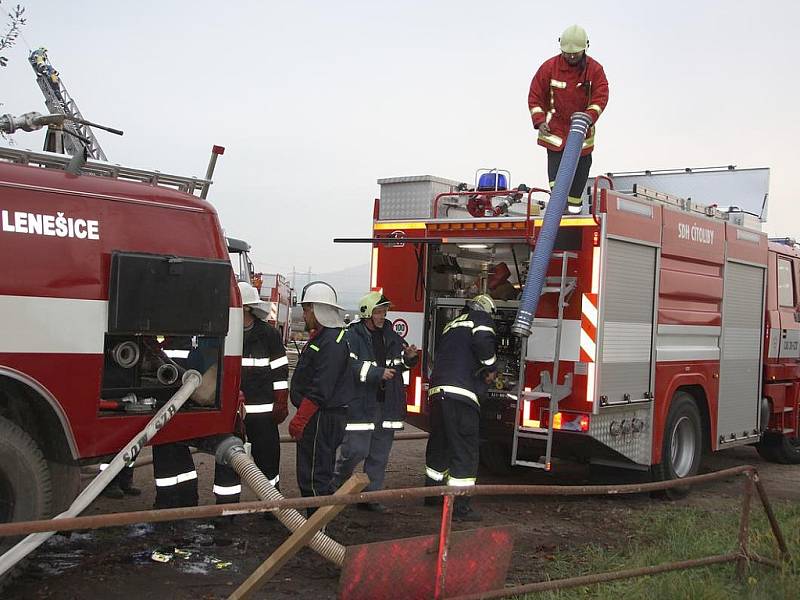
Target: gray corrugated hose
[231,452]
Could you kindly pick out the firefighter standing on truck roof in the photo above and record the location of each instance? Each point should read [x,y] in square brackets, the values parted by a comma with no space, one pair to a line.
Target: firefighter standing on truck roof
[322,386]
[464,365]
[565,84]
[379,405]
[265,373]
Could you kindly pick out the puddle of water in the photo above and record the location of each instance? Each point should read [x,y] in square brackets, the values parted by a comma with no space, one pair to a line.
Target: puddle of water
[194,568]
[58,540]
[140,529]
[56,563]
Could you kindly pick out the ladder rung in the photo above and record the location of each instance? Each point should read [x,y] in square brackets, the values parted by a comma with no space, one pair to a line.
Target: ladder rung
[536,395]
[535,465]
[788,431]
[532,436]
[788,409]
[533,429]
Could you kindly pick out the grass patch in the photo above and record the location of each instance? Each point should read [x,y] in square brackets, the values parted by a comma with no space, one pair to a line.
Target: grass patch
[666,533]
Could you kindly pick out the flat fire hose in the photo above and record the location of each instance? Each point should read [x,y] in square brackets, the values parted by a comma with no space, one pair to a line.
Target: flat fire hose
[191,380]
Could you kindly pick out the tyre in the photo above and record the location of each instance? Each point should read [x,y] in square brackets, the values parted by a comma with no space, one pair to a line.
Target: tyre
[496,458]
[682,445]
[779,449]
[26,492]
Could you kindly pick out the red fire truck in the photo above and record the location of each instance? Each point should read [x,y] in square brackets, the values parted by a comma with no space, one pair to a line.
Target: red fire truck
[665,327]
[273,288]
[276,292]
[108,280]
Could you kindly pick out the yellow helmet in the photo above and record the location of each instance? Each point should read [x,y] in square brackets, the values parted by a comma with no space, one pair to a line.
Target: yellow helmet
[485,303]
[574,39]
[370,302]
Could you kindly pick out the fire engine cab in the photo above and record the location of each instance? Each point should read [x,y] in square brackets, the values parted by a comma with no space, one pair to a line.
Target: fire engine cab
[110,279]
[665,327]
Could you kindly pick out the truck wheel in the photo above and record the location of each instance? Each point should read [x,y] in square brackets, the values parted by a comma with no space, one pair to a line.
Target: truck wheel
[780,449]
[25,486]
[682,446]
[496,457]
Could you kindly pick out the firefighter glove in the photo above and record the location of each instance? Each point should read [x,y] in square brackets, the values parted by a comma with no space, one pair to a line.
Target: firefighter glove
[280,408]
[305,411]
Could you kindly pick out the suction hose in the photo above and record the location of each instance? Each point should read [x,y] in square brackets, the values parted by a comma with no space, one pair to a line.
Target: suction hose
[126,456]
[542,251]
[231,452]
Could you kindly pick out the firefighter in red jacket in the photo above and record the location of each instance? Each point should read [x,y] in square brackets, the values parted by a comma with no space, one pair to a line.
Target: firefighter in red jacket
[565,84]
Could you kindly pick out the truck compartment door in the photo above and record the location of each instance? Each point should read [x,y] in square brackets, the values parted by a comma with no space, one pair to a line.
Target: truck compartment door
[740,352]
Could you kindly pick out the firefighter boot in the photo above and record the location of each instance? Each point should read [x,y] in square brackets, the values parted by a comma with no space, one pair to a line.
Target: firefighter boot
[464,512]
[432,500]
[113,491]
[130,490]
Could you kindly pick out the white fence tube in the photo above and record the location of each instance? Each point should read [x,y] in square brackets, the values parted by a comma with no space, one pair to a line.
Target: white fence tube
[191,380]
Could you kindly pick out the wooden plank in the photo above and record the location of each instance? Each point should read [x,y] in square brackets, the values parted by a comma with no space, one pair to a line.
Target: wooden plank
[297,540]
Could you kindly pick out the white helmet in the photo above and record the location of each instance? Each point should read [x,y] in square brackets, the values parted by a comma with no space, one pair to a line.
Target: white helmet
[323,297]
[250,298]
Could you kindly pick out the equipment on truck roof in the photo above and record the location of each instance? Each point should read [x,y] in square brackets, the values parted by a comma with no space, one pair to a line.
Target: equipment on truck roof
[73,135]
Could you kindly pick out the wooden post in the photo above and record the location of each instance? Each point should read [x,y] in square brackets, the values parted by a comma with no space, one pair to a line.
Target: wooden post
[297,540]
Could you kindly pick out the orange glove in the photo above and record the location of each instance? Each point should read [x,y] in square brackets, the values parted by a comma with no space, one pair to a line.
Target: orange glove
[280,407]
[305,411]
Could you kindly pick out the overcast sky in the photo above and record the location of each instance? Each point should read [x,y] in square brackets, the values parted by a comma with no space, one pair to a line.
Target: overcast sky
[314,101]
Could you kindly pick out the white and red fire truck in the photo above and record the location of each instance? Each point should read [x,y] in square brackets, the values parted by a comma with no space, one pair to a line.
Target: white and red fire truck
[669,327]
[108,280]
[276,292]
[273,288]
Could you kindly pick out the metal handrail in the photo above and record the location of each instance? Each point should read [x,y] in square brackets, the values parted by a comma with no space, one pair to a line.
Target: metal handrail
[595,199]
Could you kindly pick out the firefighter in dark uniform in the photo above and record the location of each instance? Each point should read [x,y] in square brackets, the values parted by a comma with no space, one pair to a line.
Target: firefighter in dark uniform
[322,386]
[173,465]
[378,408]
[464,365]
[265,385]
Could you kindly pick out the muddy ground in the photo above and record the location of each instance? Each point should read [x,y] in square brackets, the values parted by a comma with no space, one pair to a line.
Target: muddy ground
[117,562]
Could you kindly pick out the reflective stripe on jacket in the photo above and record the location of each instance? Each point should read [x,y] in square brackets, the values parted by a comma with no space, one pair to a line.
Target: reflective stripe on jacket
[368,377]
[323,372]
[558,90]
[466,352]
[265,367]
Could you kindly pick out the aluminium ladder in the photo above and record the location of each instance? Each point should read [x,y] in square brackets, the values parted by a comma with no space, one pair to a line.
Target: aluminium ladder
[549,387]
